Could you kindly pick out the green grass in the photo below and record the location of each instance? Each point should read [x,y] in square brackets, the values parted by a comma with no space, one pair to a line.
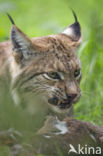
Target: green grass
[43,17]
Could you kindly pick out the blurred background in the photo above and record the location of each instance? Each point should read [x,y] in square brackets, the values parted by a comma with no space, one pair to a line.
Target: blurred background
[43,17]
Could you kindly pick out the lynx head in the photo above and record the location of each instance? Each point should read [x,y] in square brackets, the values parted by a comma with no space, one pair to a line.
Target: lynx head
[48,66]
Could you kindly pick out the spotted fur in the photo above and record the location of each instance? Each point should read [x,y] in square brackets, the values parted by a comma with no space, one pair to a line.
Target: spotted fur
[27,60]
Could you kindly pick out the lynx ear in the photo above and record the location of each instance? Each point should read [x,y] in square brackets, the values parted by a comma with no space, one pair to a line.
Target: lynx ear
[22,45]
[74,30]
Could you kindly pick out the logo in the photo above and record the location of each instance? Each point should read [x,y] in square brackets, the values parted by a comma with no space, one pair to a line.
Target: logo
[85,150]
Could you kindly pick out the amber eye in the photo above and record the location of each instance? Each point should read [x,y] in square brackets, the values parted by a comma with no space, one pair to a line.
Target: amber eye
[54,75]
[76,73]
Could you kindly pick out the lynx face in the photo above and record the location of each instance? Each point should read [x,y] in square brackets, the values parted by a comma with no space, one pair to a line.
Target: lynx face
[48,66]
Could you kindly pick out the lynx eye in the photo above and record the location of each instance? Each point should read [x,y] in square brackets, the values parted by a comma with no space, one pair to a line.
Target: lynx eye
[76,73]
[53,75]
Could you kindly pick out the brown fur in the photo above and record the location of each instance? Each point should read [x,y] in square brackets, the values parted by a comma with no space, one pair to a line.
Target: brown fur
[28,61]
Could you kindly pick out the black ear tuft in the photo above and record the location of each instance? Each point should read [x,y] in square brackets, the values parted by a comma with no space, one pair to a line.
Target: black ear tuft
[75,16]
[10,18]
[76,27]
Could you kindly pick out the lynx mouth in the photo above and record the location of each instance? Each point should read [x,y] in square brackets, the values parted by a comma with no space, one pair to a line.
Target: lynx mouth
[61,104]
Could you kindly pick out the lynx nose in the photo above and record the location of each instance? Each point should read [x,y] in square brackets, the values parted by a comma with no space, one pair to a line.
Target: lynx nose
[71,97]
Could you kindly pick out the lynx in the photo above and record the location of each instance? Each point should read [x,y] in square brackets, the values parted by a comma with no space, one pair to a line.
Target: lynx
[45,66]
[48,70]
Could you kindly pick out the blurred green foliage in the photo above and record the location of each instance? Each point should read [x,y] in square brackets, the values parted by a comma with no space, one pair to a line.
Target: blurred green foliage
[43,17]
